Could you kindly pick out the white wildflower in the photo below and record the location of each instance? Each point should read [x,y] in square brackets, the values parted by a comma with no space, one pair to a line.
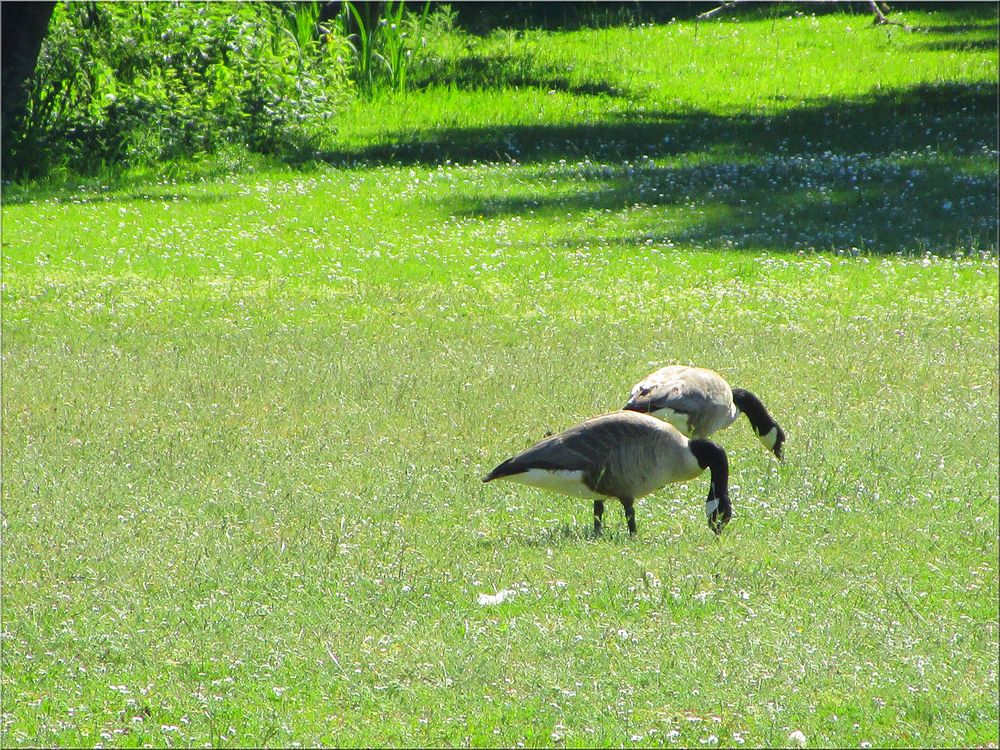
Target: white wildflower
[486,600]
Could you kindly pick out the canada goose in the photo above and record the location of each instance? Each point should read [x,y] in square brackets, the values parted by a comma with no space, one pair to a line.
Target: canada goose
[624,455]
[699,402]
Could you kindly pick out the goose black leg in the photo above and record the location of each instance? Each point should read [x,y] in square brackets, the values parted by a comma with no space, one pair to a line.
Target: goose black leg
[598,516]
[629,506]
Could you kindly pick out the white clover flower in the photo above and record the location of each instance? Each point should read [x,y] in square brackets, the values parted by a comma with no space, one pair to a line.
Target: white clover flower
[487,600]
[797,738]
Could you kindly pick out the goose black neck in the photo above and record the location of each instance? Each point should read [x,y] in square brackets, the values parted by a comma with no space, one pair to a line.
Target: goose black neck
[758,415]
[718,509]
[712,457]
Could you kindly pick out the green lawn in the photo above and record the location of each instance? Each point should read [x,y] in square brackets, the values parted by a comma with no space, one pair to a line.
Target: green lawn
[245,417]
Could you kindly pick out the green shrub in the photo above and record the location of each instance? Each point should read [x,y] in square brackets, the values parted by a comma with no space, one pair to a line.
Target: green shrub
[135,83]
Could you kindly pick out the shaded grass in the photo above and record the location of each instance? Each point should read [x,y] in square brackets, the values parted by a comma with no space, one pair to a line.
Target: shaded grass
[945,117]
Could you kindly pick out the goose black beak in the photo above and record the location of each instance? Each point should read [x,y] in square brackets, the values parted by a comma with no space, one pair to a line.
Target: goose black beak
[718,518]
[717,523]
[779,445]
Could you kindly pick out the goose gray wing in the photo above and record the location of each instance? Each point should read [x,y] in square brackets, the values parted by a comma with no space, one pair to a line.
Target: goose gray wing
[694,400]
[592,448]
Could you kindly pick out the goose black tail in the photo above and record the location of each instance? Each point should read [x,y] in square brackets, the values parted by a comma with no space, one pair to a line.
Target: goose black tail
[505,469]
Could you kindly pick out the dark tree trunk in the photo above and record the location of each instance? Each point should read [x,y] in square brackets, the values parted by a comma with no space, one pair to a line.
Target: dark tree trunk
[22,28]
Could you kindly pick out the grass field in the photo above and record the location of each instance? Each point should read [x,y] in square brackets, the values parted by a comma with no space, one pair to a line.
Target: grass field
[245,417]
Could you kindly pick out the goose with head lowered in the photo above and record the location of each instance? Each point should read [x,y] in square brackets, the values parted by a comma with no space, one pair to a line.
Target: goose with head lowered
[699,402]
[623,455]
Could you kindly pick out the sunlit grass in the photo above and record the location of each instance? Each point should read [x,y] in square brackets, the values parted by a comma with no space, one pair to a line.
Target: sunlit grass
[244,423]
[275,510]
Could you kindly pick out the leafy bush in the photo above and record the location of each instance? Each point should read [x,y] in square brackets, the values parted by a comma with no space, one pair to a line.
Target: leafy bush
[134,83]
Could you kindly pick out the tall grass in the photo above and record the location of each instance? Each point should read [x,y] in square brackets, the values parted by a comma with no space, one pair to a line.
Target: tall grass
[383,44]
[302,26]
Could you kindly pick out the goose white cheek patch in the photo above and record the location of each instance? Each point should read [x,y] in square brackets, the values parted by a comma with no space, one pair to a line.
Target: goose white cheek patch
[770,438]
[710,507]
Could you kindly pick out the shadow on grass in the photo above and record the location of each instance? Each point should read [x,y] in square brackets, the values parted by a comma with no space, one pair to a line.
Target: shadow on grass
[554,536]
[958,45]
[92,190]
[948,117]
[910,171]
[987,24]
[854,202]
[515,70]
